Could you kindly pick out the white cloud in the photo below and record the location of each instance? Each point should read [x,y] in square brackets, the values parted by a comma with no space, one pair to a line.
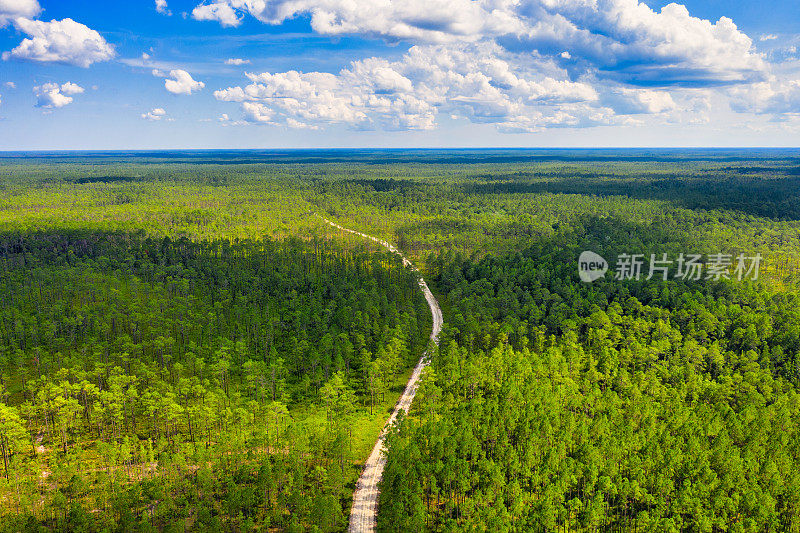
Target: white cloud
[625,101]
[256,112]
[303,100]
[567,117]
[469,81]
[12,9]
[181,82]
[621,39]
[10,85]
[521,65]
[221,12]
[146,61]
[627,41]
[53,95]
[71,88]
[237,61]
[430,21]
[774,97]
[60,41]
[161,7]
[155,114]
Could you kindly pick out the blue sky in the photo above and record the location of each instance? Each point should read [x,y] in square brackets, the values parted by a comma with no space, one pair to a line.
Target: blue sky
[323,73]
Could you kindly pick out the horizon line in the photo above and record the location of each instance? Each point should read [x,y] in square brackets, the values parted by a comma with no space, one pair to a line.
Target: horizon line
[377,148]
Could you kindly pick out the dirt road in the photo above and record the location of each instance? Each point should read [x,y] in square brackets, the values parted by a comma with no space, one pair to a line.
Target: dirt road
[364,513]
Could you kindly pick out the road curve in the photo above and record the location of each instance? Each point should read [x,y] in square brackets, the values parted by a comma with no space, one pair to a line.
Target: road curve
[364,513]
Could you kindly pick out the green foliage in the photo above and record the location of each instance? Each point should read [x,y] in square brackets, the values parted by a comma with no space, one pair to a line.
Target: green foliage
[183,346]
[130,360]
[556,404]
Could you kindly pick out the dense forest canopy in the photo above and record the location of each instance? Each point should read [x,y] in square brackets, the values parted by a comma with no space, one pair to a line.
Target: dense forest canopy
[158,361]
[184,345]
[559,405]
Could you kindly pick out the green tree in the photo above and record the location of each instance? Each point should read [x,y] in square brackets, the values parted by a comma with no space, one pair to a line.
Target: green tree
[13,436]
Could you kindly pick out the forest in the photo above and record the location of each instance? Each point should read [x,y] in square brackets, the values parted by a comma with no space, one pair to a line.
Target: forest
[186,346]
[216,383]
[554,405]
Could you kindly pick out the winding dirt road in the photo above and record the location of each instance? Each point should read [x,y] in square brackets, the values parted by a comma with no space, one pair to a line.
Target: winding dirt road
[363,515]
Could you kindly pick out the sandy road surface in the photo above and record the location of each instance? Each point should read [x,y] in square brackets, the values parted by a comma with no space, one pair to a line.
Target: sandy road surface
[364,513]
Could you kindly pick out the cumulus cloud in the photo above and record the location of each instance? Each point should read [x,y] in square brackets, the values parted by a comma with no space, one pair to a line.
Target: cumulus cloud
[181,82]
[237,61]
[623,39]
[53,95]
[12,9]
[521,65]
[60,41]
[625,101]
[222,12]
[774,97]
[155,114]
[430,21]
[470,81]
[71,88]
[161,7]
[627,41]
[10,85]
[256,112]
